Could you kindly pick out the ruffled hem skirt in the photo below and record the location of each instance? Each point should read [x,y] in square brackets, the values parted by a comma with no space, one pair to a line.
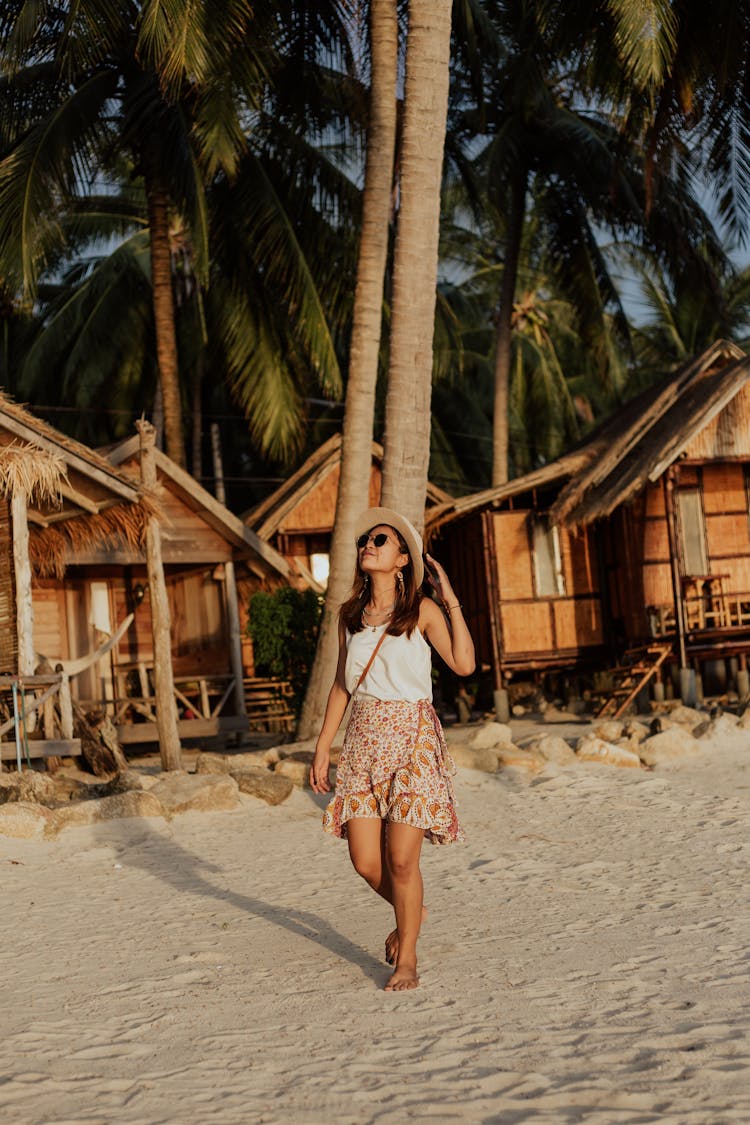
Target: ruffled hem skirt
[395,766]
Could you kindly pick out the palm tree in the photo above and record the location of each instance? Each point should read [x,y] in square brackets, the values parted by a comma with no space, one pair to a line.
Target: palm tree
[159,82]
[364,349]
[265,305]
[683,320]
[549,143]
[407,411]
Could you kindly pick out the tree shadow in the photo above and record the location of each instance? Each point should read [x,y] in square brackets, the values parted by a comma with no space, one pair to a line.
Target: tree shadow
[184,870]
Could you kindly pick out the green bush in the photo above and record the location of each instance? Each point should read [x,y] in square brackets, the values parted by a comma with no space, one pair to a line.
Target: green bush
[284,629]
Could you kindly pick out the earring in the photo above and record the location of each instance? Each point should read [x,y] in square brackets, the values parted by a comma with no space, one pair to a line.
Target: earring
[367,580]
[400,582]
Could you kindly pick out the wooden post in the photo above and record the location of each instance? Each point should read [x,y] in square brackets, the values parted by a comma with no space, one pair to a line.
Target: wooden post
[230,588]
[166,708]
[500,696]
[24,605]
[22,568]
[674,560]
[66,704]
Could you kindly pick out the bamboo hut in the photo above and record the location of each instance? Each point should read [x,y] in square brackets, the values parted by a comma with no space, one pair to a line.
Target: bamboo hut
[632,550]
[55,496]
[297,518]
[211,563]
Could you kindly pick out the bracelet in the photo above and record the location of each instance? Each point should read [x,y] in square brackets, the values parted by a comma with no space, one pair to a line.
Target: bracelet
[456,606]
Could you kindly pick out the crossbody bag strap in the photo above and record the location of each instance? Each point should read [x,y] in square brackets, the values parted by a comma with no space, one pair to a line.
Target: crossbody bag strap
[368,665]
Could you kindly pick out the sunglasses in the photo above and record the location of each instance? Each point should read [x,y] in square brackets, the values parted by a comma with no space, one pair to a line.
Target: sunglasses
[378,540]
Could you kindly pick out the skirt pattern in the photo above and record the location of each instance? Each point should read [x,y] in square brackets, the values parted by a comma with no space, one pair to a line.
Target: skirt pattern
[395,766]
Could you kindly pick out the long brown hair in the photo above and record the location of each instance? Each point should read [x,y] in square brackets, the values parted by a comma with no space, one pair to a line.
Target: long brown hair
[406,612]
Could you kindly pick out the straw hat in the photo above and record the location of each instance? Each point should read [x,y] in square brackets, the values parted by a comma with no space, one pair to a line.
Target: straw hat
[374,516]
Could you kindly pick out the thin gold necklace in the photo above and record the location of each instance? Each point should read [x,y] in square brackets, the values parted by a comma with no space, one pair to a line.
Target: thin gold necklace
[386,613]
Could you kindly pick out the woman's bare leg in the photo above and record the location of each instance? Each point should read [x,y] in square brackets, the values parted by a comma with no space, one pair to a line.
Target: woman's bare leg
[367,847]
[366,839]
[403,846]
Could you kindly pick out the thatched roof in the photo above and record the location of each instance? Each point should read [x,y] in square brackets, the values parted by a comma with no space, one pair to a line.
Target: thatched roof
[628,450]
[269,515]
[247,545]
[74,496]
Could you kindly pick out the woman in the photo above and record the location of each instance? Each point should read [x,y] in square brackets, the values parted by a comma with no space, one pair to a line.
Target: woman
[393,783]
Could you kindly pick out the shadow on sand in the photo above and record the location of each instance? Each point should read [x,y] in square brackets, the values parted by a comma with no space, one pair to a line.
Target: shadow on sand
[184,871]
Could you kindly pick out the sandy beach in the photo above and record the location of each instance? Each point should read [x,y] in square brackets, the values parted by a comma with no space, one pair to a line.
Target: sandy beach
[586,959]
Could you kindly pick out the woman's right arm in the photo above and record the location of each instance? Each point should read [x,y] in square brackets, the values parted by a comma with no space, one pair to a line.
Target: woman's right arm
[338,700]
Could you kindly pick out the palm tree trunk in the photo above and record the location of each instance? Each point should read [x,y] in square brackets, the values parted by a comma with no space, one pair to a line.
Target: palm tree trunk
[356,448]
[503,338]
[197,416]
[164,317]
[407,412]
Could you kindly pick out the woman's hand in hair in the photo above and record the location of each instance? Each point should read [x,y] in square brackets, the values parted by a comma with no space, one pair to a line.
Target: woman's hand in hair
[439,581]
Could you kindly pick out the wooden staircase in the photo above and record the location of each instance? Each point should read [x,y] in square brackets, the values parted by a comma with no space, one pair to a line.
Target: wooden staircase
[630,677]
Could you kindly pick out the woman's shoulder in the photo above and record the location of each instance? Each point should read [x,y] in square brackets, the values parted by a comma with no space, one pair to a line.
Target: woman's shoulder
[428,612]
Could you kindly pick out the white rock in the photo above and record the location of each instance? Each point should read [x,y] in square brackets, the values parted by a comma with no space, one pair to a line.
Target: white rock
[592,749]
[30,786]
[135,802]
[722,728]
[668,746]
[23,821]
[513,756]
[180,792]
[687,716]
[635,730]
[297,772]
[490,735]
[268,785]
[552,748]
[609,730]
[484,758]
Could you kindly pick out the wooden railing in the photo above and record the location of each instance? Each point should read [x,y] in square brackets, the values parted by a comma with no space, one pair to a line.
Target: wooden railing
[715,608]
[24,707]
[269,704]
[196,697]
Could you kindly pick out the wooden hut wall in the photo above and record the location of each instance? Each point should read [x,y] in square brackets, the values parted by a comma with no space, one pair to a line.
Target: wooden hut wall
[199,631]
[63,631]
[306,528]
[657,569]
[537,624]
[199,638]
[186,537]
[725,506]
[50,622]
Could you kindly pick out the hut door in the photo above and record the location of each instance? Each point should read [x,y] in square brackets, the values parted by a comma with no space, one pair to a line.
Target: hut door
[548,572]
[692,530]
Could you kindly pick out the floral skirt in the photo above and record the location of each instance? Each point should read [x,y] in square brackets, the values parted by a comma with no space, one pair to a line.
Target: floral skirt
[395,766]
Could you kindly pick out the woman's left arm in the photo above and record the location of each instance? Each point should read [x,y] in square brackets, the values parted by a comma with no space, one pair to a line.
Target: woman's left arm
[453,644]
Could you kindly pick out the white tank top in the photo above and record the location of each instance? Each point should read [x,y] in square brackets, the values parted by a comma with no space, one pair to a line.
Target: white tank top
[402,668]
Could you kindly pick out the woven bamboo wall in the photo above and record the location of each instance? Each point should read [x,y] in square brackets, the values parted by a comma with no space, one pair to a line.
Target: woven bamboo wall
[315,510]
[725,506]
[543,626]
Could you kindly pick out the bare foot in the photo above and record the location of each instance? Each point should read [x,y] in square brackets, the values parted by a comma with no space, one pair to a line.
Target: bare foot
[404,978]
[391,942]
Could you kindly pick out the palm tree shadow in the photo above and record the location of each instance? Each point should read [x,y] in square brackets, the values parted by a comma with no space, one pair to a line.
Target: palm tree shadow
[183,870]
